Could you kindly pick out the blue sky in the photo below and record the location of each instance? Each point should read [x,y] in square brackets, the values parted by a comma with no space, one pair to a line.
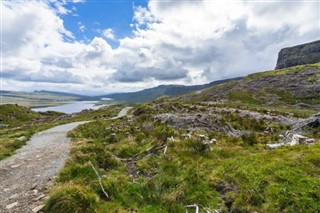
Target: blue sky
[99,47]
[96,15]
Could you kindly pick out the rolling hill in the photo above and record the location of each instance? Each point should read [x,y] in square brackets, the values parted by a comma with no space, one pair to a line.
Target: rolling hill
[162,90]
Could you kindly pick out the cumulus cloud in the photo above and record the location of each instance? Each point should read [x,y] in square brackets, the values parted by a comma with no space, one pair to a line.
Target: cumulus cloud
[173,42]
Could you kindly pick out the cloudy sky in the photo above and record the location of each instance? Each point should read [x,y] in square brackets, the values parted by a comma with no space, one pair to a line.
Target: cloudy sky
[99,47]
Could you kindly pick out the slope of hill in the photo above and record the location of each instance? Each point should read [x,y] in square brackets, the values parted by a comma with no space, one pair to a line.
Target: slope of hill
[14,114]
[162,90]
[296,85]
[301,54]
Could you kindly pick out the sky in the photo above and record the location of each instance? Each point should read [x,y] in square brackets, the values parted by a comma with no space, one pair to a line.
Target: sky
[104,46]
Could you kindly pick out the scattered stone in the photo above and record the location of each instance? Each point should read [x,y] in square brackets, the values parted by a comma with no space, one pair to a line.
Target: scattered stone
[37,209]
[13,196]
[34,186]
[10,206]
[15,166]
[39,197]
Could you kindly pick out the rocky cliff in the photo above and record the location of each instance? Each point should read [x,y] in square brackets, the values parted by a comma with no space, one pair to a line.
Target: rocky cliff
[302,54]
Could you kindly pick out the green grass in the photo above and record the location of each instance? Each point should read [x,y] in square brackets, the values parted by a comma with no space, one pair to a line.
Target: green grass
[236,174]
[21,123]
[285,71]
[15,114]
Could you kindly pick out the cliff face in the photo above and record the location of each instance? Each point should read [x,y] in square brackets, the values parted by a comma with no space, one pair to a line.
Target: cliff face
[302,54]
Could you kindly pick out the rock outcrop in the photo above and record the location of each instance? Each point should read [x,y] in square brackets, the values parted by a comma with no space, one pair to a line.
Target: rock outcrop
[302,54]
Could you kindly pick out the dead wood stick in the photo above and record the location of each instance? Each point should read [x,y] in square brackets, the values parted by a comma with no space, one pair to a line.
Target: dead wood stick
[99,178]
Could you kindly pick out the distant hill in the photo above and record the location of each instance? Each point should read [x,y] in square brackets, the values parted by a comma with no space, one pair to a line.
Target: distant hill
[85,97]
[39,98]
[308,53]
[162,90]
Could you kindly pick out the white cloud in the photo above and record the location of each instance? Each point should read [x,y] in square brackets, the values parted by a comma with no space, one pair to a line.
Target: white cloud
[108,34]
[173,42]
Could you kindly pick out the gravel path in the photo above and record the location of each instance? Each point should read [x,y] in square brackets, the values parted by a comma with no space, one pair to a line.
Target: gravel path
[25,176]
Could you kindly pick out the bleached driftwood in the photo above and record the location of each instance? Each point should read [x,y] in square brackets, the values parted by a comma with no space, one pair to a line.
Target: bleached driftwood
[192,206]
[100,182]
[165,149]
[291,139]
[197,208]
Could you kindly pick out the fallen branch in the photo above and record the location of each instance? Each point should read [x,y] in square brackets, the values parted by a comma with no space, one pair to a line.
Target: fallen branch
[193,206]
[197,207]
[165,149]
[99,178]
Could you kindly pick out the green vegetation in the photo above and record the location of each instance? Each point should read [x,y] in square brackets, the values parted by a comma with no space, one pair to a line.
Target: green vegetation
[15,114]
[284,71]
[206,148]
[143,171]
[20,123]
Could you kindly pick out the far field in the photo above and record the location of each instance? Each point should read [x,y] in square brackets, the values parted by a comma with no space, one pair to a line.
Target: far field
[36,99]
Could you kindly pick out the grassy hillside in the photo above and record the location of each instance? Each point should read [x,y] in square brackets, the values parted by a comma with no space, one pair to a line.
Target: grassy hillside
[15,114]
[144,171]
[18,123]
[297,85]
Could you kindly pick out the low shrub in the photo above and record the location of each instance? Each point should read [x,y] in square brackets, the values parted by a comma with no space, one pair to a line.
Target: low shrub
[71,198]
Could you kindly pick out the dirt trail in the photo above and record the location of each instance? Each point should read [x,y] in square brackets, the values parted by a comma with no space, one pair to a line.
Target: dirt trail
[24,177]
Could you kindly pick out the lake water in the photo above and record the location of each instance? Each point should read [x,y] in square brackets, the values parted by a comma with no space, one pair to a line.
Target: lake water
[69,108]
